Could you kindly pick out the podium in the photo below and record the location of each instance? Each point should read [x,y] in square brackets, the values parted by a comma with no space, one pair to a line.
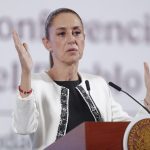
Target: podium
[93,136]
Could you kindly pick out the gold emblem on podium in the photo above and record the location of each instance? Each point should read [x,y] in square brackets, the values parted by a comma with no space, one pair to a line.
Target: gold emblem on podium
[139,136]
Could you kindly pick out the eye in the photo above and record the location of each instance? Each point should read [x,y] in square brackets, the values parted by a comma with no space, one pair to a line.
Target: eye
[61,34]
[76,33]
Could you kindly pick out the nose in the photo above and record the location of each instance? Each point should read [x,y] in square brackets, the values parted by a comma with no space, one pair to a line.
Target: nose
[70,38]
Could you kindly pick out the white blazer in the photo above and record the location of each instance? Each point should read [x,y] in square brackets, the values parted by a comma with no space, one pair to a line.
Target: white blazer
[44,113]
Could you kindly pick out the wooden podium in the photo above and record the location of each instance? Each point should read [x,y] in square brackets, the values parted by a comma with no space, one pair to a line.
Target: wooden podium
[93,136]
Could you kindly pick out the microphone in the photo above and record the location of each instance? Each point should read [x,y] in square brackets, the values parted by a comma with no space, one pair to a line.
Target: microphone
[88,89]
[87,85]
[119,89]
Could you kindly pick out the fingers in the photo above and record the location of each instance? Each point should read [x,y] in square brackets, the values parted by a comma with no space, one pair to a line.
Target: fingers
[16,38]
[146,68]
[21,48]
[25,46]
[147,77]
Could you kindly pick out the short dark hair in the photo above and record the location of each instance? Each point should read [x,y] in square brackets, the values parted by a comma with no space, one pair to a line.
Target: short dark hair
[49,22]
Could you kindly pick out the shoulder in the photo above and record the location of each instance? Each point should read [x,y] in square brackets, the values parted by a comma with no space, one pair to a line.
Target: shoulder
[41,77]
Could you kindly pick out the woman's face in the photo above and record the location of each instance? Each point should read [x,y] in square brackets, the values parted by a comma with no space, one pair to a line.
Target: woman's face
[66,38]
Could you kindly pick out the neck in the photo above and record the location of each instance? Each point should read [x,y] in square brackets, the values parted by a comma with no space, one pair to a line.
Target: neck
[65,73]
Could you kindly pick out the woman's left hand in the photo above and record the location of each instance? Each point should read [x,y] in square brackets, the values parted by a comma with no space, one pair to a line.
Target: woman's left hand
[147,84]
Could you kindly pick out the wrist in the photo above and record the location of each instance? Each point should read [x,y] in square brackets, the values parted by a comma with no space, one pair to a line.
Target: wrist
[25,75]
[25,92]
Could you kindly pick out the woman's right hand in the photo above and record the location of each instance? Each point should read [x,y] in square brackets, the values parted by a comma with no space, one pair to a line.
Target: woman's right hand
[26,64]
[24,55]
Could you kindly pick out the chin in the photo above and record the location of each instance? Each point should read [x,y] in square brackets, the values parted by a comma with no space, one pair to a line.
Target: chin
[71,62]
[73,59]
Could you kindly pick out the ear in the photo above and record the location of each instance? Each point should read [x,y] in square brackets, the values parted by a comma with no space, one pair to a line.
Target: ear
[46,43]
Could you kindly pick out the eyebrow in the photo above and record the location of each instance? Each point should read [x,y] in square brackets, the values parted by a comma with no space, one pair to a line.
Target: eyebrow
[64,28]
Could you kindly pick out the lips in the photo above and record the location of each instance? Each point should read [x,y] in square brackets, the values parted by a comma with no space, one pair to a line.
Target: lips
[72,50]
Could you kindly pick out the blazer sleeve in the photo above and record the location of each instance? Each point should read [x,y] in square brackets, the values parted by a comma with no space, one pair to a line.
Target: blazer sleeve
[25,115]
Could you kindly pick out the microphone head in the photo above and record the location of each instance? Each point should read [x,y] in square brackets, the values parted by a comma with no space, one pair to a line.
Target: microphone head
[87,85]
[115,86]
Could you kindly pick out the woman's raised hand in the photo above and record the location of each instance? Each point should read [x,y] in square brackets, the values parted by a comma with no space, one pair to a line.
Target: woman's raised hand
[24,55]
[26,65]
[147,84]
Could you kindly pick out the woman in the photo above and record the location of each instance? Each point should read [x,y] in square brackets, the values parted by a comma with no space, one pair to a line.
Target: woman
[53,102]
